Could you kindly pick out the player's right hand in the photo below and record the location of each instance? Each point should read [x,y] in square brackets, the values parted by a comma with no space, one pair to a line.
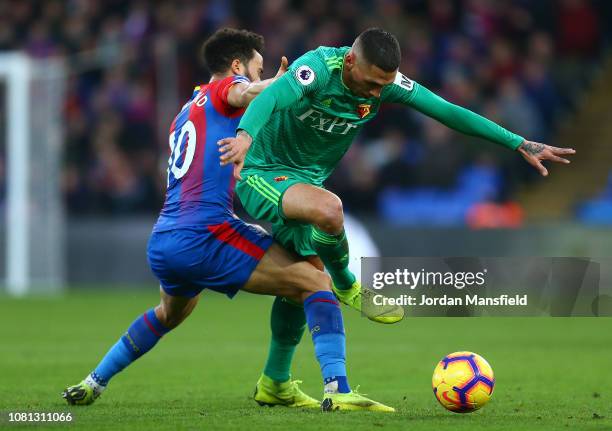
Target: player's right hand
[234,150]
[283,67]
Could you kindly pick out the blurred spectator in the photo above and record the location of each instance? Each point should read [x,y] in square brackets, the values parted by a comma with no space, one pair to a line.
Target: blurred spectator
[441,157]
[578,29]
[518,112]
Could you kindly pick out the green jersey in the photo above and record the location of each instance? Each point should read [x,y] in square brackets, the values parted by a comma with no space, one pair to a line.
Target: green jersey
[306,121]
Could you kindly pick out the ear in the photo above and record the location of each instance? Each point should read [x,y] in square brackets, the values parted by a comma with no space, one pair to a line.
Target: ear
[236,67]
[349,59]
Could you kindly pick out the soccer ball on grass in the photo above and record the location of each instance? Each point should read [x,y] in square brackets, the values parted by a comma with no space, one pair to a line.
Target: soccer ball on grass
[463,382]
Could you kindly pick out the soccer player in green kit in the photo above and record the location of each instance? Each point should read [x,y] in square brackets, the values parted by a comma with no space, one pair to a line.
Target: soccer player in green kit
[294,134]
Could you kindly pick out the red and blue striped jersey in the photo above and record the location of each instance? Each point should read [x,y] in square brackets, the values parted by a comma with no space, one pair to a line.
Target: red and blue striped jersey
[200,191]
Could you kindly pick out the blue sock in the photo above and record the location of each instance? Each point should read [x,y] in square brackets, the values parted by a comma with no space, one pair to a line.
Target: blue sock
[327,329]
[140,337]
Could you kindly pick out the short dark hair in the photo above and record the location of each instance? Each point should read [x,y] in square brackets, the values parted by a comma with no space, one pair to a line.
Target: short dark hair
[380,48]
[228,44]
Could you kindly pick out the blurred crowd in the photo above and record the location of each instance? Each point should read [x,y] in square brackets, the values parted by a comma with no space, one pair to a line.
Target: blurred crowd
[520,63]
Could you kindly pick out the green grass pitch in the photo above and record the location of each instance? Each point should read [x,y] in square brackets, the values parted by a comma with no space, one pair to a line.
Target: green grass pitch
[551,373]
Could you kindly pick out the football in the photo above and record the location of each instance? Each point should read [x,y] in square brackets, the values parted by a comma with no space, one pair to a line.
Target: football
[463,382]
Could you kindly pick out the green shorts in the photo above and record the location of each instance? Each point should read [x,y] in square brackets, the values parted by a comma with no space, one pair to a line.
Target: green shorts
[261,193]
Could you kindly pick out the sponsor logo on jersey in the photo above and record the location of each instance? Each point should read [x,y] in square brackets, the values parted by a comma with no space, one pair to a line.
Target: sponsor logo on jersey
[281,178]
[364,110]
[305,75]
[320,121]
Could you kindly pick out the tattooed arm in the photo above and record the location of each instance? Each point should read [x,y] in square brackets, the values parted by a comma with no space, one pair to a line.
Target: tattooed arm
[535,153]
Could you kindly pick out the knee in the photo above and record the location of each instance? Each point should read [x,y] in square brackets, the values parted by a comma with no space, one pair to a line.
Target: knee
[329,215]
[318,282]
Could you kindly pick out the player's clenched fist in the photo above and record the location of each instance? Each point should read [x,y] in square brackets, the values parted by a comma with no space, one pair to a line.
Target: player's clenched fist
[233,150]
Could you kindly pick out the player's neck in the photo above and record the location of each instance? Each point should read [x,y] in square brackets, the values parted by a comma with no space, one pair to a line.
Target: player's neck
[345,79]
[219,76]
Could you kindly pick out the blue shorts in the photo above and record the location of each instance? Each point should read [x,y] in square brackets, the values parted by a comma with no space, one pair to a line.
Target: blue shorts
[220,257]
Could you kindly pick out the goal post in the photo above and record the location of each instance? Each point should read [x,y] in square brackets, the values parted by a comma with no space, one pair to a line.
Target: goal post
[34,219]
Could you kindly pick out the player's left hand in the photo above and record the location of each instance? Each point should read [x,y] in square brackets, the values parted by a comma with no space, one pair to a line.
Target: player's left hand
[535,153]
[234,150]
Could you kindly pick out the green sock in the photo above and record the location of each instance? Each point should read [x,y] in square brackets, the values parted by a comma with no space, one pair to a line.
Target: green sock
[334,252]
[287,323]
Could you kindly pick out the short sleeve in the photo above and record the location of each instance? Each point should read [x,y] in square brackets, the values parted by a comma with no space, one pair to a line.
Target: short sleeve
[219,91]
[309,73]
[227,83]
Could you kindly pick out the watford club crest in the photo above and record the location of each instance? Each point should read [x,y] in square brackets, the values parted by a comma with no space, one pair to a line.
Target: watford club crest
[363,110]
[281,178]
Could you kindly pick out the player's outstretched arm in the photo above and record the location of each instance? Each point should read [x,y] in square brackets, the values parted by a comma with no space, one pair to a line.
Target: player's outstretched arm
[241,94]
[468,122]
